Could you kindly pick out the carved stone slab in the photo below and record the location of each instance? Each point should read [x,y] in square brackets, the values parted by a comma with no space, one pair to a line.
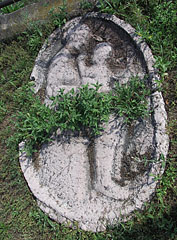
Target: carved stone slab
[100,182]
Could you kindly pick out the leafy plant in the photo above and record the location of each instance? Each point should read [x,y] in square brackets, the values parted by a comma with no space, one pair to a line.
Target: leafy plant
[35,122]
[86,5]
[84,110]
[16,5]
[130,100]
[59,16]
[34,36]
[12,8]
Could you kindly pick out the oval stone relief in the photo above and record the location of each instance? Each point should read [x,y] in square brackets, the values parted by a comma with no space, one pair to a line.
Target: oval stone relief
[102,181]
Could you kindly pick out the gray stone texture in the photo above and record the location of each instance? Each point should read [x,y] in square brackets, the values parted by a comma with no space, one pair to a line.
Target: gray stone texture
[102,181]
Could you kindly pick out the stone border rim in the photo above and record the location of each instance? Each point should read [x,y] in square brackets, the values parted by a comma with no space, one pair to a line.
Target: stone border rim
[157,96]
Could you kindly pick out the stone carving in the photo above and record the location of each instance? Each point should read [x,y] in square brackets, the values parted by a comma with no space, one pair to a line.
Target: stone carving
[100,182]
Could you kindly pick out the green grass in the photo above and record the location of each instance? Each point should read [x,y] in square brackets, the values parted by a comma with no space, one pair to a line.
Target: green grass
[20,218]
[15,6]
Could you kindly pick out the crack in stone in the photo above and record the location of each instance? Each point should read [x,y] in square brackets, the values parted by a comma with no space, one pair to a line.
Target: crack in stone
[92,162]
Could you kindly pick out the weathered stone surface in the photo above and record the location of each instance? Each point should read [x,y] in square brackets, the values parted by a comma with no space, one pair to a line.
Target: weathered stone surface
[100,182]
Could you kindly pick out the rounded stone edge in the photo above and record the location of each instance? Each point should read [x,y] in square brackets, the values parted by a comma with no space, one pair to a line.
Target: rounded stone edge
[160,115]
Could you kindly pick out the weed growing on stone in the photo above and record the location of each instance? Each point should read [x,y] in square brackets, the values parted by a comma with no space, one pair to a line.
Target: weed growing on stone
[130,100]
[85,109]
[82,110]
